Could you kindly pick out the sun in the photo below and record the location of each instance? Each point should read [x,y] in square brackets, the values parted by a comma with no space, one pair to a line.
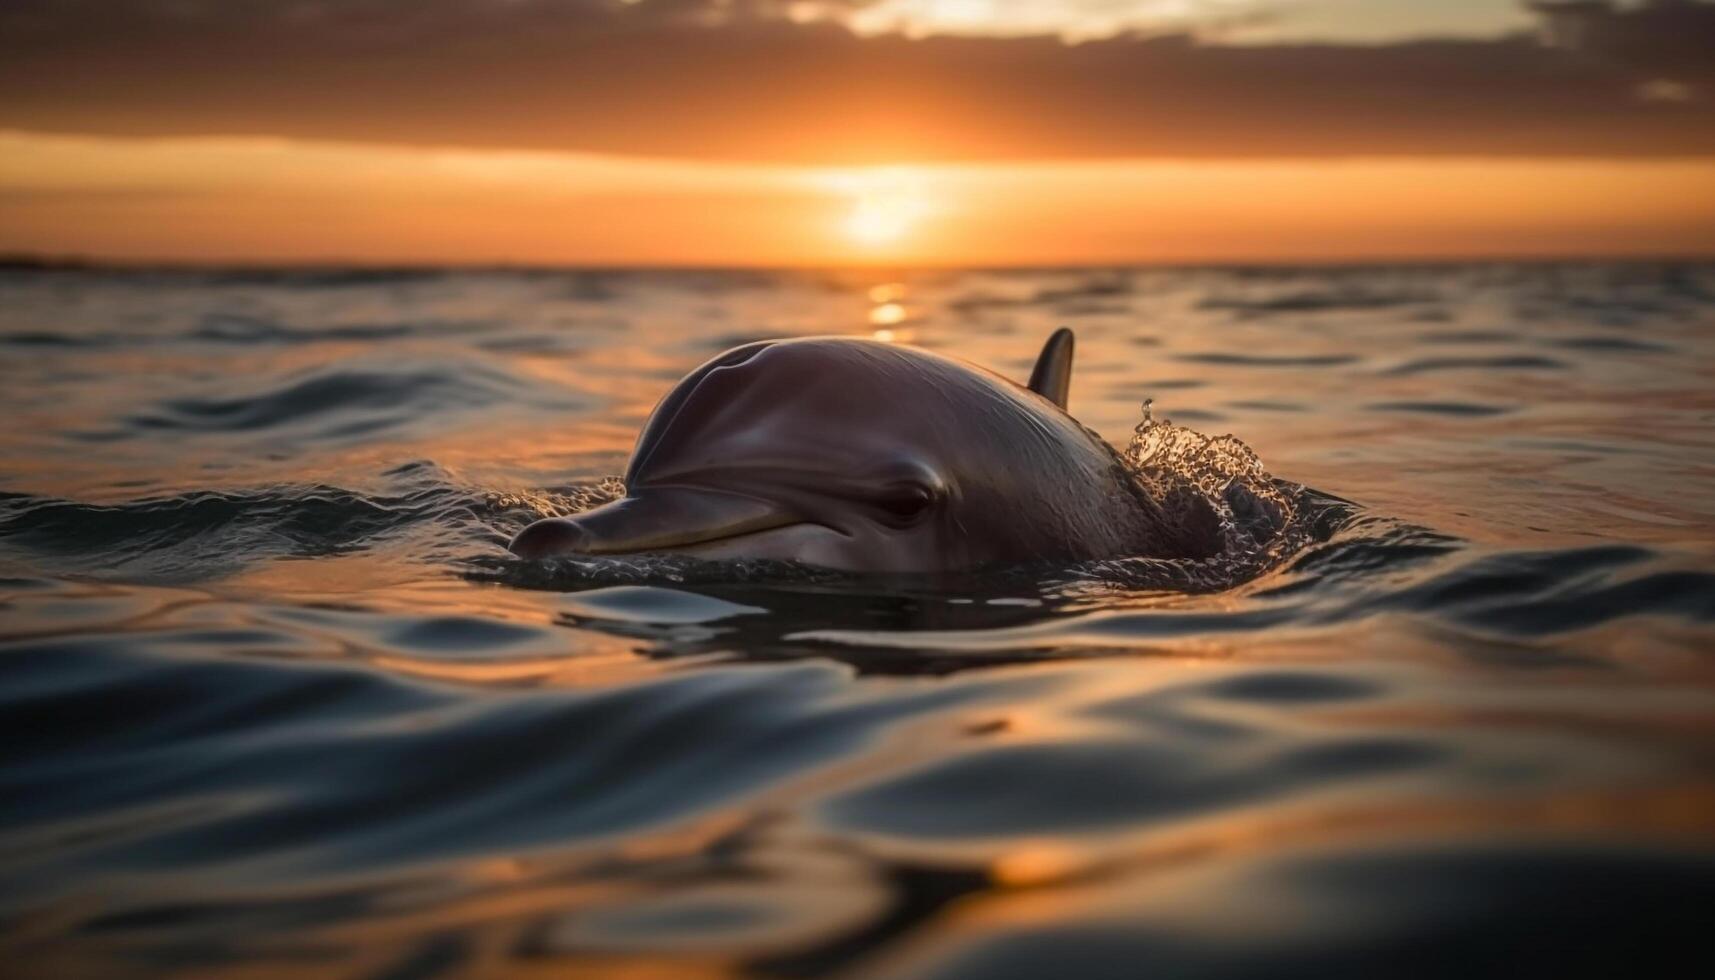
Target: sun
[886,206]
[880,221]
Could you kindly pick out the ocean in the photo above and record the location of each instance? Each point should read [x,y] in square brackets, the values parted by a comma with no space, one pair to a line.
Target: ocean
[275,699]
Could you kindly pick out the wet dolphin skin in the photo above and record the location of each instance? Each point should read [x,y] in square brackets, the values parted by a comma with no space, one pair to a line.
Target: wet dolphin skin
[864,456]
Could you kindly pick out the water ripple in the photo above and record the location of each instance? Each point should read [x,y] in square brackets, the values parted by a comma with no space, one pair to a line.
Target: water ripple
[332,405]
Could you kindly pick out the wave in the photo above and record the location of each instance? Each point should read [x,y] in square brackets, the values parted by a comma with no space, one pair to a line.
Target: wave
[1519,362]
[1317,301]
[1625,345]
[1083,297]
[324,277]
[1544,593]
[236,329]
[1268,360]
[204,535]
[1450,409]
[331,405]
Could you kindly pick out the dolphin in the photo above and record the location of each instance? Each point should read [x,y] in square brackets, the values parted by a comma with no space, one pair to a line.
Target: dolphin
[865,456]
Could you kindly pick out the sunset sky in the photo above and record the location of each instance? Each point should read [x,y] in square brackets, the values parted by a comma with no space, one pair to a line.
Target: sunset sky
[852,131]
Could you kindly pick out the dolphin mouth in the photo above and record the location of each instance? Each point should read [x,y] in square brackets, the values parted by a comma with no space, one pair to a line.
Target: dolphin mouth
[668,518]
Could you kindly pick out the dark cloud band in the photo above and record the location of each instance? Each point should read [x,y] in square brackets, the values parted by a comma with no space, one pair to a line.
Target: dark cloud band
[737,81]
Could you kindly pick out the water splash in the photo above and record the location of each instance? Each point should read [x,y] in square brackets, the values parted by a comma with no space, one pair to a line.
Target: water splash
[1216,487]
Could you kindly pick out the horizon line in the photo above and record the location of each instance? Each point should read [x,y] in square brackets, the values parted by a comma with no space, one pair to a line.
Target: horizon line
[42,262]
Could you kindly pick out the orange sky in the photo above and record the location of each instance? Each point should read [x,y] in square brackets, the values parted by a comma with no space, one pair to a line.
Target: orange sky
[764,132]
[214,199]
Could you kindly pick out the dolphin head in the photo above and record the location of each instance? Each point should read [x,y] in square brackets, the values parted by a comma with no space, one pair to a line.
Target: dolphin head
[849,454]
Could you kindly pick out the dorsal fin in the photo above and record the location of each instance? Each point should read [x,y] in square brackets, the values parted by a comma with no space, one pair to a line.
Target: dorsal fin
[1052,376]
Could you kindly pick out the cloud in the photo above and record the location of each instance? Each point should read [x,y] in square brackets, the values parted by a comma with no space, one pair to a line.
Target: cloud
[742,80]
[1070,19]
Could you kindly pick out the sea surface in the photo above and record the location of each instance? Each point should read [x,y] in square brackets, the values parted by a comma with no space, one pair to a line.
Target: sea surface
[275,700]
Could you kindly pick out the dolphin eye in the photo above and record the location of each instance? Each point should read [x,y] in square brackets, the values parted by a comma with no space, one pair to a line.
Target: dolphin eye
[905,503]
